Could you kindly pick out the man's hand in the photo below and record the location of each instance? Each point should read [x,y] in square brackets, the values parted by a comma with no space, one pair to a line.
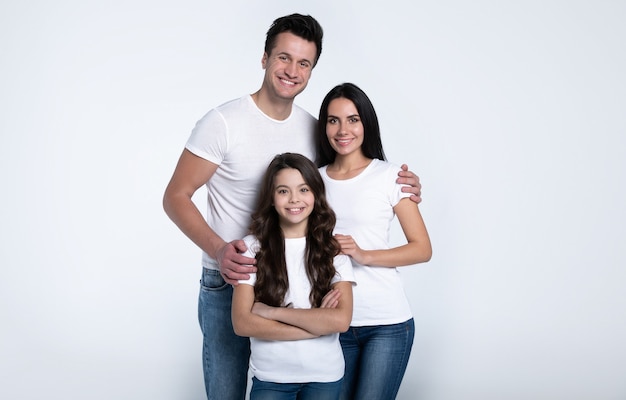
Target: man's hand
[409,178]
[233,266]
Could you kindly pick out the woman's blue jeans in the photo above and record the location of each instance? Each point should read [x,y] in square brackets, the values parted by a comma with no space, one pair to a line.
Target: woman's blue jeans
[376,359]
[292,391]
[225,356]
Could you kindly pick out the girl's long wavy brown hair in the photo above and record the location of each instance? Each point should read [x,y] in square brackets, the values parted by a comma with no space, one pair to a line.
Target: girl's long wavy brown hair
[321,247]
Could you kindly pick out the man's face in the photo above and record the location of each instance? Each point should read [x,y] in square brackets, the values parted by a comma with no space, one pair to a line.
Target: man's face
[288,66]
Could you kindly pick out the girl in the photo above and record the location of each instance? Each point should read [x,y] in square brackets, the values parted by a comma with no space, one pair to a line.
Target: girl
[361,189]
[299,300]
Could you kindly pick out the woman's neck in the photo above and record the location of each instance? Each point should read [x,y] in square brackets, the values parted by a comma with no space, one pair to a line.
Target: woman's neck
[348,166]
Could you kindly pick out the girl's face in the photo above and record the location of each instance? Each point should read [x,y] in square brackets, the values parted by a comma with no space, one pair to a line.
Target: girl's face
[293,201]
[344,128]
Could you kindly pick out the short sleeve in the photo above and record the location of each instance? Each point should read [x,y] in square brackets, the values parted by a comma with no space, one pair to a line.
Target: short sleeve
[209,138]
[253,246]
[396,194]
[343,266]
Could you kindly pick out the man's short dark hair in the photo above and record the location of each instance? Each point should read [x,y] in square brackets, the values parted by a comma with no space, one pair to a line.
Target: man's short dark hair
[300,25]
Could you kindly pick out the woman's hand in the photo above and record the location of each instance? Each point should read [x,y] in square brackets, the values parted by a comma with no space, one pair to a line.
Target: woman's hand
[350,248]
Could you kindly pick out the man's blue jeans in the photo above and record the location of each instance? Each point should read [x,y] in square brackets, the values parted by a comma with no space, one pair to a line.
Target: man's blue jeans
[225,356]
[376,359]
[295,391]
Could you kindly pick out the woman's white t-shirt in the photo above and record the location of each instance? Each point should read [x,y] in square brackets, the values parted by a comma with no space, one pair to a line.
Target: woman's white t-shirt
[364,207]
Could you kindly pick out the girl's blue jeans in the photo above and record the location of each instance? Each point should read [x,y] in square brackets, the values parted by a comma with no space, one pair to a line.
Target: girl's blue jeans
[295,391]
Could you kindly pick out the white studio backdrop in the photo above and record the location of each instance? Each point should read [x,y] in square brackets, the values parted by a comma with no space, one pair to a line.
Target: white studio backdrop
[512,113]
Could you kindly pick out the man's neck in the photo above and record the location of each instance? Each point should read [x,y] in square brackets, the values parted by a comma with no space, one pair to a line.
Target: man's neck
[278,109]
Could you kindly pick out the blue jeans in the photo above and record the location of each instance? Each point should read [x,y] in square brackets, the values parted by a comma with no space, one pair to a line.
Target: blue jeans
[291,391]
[225,356]
[376,359]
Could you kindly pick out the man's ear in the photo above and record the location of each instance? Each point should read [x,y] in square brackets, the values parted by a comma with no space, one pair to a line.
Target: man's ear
[264,60]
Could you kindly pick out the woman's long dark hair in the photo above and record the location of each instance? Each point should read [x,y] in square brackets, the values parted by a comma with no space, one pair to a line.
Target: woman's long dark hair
[372,145]
[321,247]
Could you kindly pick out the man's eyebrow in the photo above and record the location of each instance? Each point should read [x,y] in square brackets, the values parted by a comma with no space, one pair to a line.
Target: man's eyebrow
[283,53]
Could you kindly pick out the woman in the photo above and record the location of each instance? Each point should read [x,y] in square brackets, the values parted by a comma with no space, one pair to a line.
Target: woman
[361,189]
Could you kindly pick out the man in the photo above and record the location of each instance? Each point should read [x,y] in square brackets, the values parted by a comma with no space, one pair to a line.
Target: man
[228,151]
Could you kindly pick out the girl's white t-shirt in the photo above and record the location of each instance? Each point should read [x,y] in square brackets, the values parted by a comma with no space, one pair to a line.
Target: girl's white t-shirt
[298,361]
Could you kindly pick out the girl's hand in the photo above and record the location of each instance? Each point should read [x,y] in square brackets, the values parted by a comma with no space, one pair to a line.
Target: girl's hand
[262,310]
[331,299]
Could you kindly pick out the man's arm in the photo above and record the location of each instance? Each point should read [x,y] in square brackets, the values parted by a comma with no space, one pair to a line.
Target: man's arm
[407,177]
[190,174]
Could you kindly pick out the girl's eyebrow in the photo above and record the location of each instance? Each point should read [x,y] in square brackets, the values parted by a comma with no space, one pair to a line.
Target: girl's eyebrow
[286,186]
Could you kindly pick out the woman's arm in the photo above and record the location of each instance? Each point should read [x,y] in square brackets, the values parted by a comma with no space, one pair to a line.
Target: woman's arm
[246,323]
[318,321]
[417,249]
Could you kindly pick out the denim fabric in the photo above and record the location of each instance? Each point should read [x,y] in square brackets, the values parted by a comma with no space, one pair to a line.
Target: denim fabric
[291,391]
[376,359]
[225,355]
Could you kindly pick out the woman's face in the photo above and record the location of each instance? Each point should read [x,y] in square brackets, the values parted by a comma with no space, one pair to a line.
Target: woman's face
[344,128]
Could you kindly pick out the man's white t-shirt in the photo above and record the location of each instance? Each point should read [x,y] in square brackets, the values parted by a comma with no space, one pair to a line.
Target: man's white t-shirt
[242,140]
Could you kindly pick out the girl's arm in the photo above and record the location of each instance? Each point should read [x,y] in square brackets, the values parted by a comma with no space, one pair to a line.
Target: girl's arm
[417,249]
[318,321]
[249,324]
